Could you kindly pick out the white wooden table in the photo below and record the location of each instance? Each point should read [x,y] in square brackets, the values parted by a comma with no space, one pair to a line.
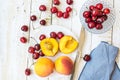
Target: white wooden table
[15,13]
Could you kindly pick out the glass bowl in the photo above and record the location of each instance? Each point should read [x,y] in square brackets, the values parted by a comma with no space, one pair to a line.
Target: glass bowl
[107,25]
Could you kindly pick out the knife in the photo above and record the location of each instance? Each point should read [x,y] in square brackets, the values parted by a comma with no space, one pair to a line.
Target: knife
[76,72]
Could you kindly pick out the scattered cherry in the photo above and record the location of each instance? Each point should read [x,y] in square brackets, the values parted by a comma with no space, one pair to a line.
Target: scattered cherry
[36,55]
[33,18]
[91,24]
[68,9]
[56,2]
[41,53]
[65,15]
[69,2]
[53,35]
[24,28]
[31,49]
[86,14]
[43,22]
[42,36]
[54,10]
[59,14]
[42,8]
[60,35]
[37,47]
[87,57]
[99,26]
[23,39]
[99,6]
[27,72]
[106,11]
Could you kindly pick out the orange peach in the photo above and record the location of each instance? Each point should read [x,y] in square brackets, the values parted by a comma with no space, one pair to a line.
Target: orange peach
[64,65]
[44,67]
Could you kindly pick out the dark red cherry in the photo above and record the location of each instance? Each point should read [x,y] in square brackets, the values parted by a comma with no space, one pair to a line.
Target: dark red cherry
[88,20]
[100,20]
[42,8]
[95,12]
[27,72]
[42,22]
[99,6]
[37,47]
[42,36]
[99,26]
[23,39]
[36,55]
[33,18]
[86,14]
[24,28]
[31,49]
[56,2]
[105,17]
[87,57]
[92,7]
[69,2]
[91,24]
[60,35]
[53,35]
[41,53]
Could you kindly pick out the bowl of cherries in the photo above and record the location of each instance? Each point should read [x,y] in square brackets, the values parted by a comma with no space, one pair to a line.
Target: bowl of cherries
[97,16]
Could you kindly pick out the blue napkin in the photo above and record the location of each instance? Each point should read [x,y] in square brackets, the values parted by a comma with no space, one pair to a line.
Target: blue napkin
[102,65]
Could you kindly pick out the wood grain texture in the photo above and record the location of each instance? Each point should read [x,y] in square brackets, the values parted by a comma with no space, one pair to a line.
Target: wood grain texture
[14,57]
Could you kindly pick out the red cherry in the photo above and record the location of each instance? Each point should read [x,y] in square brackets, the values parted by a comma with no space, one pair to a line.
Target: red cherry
[99,6]
[27,72]
[37,47]
[100,13]
[69,2]
[100,20]
[36,55]
[56,2]
[86,14]
[42,8]
[41,53]
[94,18]
[87,57]
[60,35]
[43,22]
[99,26]
[106,11]
[68,9]
[88,20]
[54,10]
[24,28]
[65,15]
[92,7]
[33,18]
[105,17]
[42,36]
[95,12]
[91,25]
[59,14]
[53,35]
[23,39]
[31,49]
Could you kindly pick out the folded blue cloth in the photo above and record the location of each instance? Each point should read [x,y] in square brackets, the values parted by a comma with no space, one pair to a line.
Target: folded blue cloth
[102,65]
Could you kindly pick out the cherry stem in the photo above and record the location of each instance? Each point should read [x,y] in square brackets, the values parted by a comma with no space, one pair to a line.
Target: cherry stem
[32,64]
[75,11]
[34,39]
[40,14]
[33,26]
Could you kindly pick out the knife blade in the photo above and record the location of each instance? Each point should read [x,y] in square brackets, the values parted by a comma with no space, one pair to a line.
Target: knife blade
[79,54]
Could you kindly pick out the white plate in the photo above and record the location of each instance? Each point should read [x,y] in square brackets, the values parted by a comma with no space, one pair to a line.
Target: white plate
[107,24]
[46,30]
